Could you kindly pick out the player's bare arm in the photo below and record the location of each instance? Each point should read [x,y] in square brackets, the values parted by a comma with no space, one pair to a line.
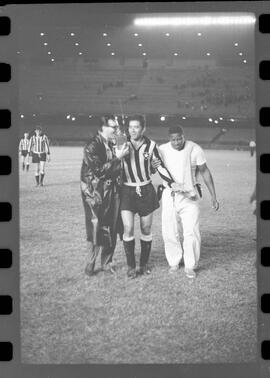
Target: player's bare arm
[209,182]
[162,170]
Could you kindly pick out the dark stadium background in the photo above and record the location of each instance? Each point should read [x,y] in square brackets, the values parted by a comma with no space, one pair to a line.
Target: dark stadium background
[75,66]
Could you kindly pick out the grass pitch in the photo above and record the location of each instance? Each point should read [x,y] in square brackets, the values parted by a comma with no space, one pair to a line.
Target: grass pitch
[67,317]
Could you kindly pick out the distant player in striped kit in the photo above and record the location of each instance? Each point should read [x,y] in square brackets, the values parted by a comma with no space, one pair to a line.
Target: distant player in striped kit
[40,150]
[138,194]
[23,150]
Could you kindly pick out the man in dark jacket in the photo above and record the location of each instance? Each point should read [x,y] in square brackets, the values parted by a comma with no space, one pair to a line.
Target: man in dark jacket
[100,185]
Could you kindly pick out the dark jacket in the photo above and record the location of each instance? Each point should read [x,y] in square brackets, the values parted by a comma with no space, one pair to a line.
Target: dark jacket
[100,188]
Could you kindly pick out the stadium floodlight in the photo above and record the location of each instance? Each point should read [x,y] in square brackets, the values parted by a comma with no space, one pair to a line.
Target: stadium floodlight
[210,120]
[196,20]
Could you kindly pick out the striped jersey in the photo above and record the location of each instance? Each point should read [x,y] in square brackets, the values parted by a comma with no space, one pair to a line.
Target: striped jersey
[24,144]
[39,144]
[137,165]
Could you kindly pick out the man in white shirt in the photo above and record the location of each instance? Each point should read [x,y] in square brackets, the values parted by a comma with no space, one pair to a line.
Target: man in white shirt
[184,159]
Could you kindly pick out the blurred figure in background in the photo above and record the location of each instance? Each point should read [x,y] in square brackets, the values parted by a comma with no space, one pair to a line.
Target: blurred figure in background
[252,147]
[23,150]
[253,201]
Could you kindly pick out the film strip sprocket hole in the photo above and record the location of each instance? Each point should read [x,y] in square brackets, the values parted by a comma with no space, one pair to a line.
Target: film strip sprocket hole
[6,301]
[264,165]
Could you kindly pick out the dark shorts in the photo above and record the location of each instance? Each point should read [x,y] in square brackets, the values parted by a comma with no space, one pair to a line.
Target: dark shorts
[37,158]
[24,153]
[144,205]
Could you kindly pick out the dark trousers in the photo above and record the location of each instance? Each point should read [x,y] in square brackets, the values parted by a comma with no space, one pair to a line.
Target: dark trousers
[107,252]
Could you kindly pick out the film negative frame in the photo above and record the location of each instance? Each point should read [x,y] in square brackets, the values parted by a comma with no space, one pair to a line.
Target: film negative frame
[10,362]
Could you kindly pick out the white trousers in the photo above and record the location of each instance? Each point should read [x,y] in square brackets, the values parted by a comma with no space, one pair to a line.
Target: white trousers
[177,212]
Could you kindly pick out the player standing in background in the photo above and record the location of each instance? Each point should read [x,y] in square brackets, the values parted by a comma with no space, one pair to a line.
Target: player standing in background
[253,201]
[23,150]
[138,194]
[252,147]
[181,202]
[100,186]
[40,151]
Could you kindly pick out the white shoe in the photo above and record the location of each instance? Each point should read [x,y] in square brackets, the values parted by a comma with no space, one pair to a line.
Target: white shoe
[173,269]
[190,273]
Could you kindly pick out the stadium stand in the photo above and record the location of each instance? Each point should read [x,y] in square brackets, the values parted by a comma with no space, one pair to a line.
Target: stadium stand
[196,91]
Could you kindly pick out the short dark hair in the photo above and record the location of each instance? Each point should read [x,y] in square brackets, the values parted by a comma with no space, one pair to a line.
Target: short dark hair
[38,127]
[105,119]
[137,117]
[176,130]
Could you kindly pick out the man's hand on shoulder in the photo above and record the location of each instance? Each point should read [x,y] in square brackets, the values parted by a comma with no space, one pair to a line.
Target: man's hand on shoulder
[155,163]
[123,151]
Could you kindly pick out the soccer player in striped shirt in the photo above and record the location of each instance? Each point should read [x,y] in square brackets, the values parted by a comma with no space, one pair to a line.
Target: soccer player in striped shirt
[23,150]
[40,150]
[138,194]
